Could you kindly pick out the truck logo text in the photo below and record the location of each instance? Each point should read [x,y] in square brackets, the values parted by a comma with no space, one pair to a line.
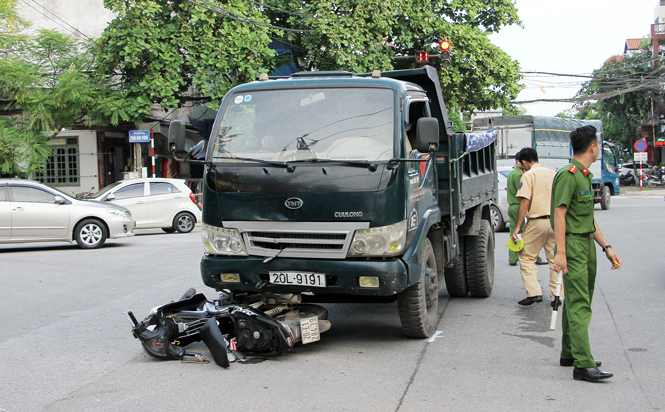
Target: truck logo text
[293,203]
[348,214]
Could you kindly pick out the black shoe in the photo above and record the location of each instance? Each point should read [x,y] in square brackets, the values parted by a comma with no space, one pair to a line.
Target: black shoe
[542,262]
[513,264]
[571,362]
[530,300]
[557,308]
[590,374]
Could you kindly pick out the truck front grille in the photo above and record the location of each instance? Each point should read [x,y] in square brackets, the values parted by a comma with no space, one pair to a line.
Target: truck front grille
[323,240]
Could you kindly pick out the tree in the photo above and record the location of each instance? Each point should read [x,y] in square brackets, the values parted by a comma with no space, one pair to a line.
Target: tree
[51,80]
[160,49]
[627,85]
[362,35]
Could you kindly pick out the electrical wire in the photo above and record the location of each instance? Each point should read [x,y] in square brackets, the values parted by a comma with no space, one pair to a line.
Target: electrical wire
[291,12]
[48,17]
[58,17]
[235,16]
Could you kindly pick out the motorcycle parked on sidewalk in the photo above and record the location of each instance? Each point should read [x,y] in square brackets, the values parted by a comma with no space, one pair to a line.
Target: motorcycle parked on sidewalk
[656,179]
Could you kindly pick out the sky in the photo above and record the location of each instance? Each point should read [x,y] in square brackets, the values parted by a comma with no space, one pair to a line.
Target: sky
[572,37]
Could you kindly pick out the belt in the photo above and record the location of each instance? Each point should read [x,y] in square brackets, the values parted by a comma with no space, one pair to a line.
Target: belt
[587,235]
[540,217]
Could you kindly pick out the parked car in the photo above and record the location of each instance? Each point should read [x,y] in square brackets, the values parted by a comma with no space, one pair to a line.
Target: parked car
[154,202]
[33,212]
[499,210]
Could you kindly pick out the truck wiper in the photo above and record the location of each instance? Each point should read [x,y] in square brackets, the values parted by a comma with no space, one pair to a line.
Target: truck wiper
[285,165]
[363,163]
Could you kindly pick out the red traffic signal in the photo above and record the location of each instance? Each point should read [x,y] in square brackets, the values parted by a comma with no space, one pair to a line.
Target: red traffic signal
[445,53]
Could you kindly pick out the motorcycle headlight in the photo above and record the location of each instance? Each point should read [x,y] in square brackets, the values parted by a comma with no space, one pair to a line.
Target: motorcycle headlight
[379,241]
[118,212]
[222,241]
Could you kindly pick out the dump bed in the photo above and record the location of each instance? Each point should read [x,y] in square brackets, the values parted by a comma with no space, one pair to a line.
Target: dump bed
[467,178]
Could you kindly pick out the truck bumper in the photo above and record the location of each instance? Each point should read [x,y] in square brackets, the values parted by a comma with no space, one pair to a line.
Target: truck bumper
[342,276]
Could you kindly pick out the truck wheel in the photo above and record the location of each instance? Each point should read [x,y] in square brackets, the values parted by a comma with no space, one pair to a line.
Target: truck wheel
[419,305]
[456,278]
[480,261]
[605,198]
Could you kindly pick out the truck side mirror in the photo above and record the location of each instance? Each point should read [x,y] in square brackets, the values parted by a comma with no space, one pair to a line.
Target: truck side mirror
[427,135]
[177,136]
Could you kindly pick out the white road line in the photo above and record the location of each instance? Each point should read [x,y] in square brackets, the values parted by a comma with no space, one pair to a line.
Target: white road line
[437,334]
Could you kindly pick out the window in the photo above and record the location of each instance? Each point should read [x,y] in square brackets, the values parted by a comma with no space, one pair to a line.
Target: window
[133,190]
[3,196]
[162,188]
[31,194]
[62,166]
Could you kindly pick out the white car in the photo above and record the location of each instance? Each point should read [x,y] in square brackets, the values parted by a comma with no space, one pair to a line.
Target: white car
[499,211]
[154,202]
[33,212]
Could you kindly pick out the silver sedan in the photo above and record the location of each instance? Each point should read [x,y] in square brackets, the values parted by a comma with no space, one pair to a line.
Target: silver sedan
[33,212]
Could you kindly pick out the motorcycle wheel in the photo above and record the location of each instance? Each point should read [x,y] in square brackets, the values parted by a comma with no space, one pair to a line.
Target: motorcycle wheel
[652,183]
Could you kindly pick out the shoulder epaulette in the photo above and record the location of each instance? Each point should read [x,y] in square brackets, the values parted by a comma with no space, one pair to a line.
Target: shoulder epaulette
[572,169]
[585,171]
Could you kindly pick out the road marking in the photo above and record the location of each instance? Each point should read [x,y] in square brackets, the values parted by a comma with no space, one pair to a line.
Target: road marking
[437,334]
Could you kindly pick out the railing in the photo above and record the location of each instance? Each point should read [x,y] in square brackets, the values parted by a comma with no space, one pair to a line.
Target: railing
[658,28]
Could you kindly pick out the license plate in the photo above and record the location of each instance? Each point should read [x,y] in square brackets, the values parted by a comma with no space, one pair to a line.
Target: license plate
[298,278]
[309,328]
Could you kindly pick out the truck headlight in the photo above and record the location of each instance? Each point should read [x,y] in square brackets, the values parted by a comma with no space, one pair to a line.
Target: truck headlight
[222,241]
[379,241]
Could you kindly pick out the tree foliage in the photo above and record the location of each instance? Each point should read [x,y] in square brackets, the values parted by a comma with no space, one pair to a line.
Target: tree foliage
[159,49]
[50,78]
[633,81]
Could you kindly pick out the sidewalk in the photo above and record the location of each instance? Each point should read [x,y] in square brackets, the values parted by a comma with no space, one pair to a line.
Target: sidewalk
[646,191]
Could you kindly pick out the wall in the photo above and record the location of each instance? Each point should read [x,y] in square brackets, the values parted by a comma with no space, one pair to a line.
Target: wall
[87,142]
[77,18]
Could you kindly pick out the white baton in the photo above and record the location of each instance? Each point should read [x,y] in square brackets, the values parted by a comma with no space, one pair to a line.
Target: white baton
[557,294]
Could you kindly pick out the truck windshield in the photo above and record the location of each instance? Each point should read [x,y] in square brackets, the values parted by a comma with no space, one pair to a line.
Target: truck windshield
[304,124]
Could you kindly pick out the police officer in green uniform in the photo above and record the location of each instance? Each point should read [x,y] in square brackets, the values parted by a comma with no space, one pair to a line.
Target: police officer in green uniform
[514,178]
[575,231]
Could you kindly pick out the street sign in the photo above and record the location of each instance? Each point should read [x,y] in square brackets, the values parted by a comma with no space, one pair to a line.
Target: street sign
[640,145]
[139,136]
[641,157]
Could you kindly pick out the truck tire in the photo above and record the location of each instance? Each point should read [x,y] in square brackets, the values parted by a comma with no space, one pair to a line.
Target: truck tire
[605,198]
[497,218]
[480,261]
[419,305]
[456,278]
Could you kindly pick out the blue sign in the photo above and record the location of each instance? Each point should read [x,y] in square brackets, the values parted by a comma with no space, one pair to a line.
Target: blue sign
[139,136]
[640,145]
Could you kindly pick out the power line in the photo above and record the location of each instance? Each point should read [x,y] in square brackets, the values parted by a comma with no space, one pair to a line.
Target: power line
[48,17]
[235,16]
[58,17]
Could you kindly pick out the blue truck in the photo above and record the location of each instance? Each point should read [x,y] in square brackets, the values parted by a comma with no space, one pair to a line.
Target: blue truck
[341,187]
[550,136]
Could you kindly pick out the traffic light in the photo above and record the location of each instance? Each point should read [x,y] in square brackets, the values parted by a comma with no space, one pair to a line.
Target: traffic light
[445,54]
[422,57]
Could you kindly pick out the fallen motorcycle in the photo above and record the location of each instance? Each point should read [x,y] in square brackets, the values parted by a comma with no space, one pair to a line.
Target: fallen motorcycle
[268,325]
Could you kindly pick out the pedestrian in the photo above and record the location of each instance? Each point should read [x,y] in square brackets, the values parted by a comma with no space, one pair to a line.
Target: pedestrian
[575,231]
[535,195]
[514,179]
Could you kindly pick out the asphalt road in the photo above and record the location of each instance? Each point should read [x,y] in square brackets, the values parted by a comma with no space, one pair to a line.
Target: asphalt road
[66,345]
